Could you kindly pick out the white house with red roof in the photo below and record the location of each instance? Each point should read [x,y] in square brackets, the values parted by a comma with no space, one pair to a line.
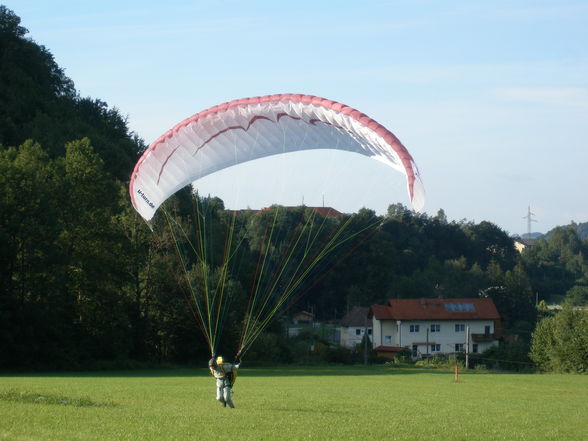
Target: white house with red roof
[434,326]
[353,327]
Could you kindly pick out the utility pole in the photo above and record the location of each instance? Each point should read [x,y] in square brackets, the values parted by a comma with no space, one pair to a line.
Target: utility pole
[467,348]
[530,219]
[365,344]
[427,340]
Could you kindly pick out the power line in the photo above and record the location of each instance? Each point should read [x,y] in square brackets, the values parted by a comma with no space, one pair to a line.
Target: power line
[530,219]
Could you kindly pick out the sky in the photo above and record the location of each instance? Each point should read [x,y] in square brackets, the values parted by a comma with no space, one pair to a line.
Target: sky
[490,98]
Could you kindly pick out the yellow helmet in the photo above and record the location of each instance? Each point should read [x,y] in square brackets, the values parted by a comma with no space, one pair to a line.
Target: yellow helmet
[219,359]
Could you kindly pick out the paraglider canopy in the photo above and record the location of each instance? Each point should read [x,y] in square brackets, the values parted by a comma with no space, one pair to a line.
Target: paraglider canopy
[252,128]
[293,247]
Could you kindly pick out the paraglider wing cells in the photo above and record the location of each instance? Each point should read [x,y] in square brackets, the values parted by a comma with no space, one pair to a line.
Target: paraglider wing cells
[248,129]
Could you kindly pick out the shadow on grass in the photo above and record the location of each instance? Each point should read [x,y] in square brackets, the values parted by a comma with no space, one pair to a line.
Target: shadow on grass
[60,400]
[254,371]
[355,371]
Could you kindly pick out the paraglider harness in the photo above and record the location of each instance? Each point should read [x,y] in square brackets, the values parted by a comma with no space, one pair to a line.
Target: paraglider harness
[231,377]
[228,377]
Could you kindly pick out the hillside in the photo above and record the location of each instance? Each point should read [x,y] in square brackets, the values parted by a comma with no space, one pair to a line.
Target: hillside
[38,101]
[581,229]
[64,212]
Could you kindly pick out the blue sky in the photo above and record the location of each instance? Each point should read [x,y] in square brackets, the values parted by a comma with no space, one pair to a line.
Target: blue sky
[491,98]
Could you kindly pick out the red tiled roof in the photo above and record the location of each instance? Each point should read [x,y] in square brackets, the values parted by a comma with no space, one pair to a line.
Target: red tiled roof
[327,211]
[358,316]
[379,312]
[434,309]
[304,313]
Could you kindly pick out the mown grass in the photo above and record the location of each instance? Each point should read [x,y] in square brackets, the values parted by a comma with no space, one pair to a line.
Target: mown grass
[324,403]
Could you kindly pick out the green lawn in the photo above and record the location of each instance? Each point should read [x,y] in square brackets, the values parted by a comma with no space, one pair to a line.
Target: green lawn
[324,403]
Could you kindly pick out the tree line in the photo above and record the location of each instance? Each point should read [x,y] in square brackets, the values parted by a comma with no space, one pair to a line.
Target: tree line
[84,280]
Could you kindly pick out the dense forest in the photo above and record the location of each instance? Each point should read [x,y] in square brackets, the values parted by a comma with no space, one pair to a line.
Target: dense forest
[84,280]
[580,228]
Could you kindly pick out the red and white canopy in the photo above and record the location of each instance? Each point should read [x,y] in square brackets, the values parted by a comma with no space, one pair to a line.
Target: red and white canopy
[253,128]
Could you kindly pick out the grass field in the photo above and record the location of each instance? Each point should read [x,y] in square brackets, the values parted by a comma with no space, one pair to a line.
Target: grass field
[323,403]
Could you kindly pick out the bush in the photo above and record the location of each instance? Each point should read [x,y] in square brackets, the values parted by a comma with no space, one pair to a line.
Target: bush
[342,355]
[508,355]
[440,361]
[270,347]
[560,343]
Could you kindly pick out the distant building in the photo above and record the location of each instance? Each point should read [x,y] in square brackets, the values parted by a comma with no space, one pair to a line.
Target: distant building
[521,244]
[303,317]
[354,325]
[434,326]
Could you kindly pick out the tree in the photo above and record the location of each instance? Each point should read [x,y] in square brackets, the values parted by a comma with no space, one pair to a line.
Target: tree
[490,243]
[38,101]
[31,83]
[10,23]
[520,295]
[28,285]
[577,295]
[560,343]
[62,269]
[87,206]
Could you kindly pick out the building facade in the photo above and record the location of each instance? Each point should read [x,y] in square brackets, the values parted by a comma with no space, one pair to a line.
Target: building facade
[435,326]
[303,317]
[353,327]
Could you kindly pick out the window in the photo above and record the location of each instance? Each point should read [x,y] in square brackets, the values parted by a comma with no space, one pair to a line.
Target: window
[388,340]
[435,328]
[475,348]
[357,331]
[460,307]
[459,347]
[435,348]
[370,331]
[486,329]
[459,327]
[414,328]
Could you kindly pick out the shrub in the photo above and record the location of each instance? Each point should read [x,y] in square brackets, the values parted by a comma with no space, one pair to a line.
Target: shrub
[560,343]
[508,355]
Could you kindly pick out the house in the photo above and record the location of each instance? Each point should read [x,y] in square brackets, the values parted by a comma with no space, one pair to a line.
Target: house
[434,326]
[353,327]
[302,317]
[522,244]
